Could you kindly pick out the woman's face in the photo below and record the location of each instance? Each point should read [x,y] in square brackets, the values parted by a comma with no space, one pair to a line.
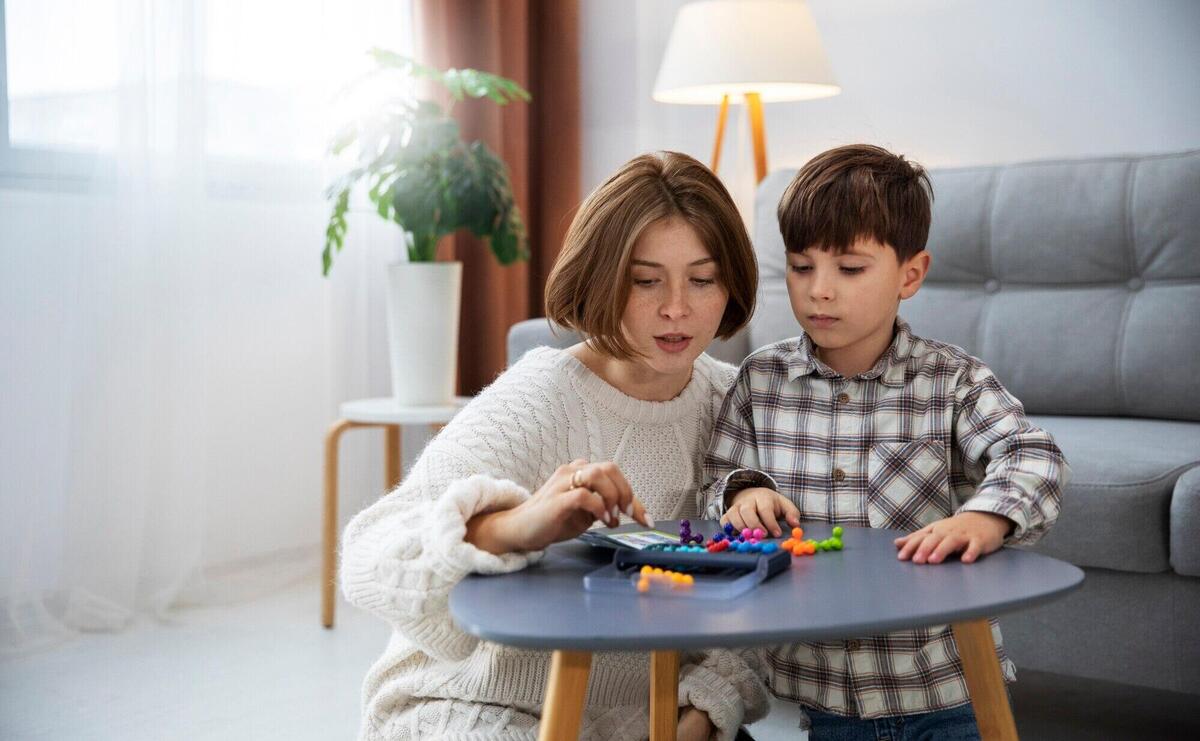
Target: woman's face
[677,298]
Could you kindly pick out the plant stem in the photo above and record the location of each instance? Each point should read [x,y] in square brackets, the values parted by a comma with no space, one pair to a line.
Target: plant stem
[423,249]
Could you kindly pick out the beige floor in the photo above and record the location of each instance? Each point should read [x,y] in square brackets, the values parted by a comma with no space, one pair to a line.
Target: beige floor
[257,671]
[263,670]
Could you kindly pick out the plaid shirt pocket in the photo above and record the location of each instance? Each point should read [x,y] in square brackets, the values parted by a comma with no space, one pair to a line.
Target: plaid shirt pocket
[908,484]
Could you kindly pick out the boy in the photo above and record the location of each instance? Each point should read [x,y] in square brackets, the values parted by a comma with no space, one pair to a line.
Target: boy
[858,421]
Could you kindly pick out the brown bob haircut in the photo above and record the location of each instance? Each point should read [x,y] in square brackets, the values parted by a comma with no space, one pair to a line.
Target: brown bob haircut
[588,288]
[857,192]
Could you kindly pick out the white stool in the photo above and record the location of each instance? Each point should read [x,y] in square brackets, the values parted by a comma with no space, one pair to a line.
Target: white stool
[389,415]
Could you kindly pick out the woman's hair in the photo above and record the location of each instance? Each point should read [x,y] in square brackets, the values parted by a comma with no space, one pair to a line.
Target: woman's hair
[589,285]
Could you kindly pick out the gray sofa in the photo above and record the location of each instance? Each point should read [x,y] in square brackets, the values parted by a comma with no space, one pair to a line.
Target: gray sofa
[1078,283]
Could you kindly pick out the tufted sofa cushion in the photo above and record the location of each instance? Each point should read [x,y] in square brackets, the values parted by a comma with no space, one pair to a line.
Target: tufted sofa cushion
[1077,282]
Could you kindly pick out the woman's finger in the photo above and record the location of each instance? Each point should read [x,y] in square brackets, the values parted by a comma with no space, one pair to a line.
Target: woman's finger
[563,479]
[583,498]
[640,514]
[598,478]
[614,473]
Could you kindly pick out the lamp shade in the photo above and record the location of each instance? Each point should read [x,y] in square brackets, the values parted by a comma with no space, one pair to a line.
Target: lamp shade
[726,47]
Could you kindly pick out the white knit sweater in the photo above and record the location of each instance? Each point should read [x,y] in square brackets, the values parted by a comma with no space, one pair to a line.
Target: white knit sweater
[402,555]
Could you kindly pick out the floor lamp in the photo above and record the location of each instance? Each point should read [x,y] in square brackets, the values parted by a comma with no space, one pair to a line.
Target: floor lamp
[762,51]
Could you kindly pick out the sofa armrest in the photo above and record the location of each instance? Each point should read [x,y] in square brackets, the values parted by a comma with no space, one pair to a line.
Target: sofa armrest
[531,333]
[1185,523]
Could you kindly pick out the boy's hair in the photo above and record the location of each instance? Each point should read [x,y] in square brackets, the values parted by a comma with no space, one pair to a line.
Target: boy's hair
[857,192]
[588,288]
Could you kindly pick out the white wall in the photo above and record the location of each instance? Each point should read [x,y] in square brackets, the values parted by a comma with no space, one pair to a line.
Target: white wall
[945,82]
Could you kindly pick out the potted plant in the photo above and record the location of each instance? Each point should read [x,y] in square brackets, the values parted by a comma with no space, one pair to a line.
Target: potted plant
[421,175]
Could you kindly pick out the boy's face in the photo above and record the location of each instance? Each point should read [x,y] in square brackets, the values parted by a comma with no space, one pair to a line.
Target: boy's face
[849,301]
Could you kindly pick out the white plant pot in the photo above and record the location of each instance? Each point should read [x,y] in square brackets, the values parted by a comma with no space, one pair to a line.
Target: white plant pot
[423,306]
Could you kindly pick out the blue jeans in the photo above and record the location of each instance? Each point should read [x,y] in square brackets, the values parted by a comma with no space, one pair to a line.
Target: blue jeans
[955,724]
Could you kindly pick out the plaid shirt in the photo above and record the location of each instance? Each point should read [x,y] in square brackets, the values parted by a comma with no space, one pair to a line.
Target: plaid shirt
[926,433]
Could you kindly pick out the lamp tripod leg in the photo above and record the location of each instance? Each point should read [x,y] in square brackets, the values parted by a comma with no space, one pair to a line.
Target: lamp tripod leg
[722,115]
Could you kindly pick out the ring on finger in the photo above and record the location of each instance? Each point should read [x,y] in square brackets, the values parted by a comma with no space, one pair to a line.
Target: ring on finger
[577,479]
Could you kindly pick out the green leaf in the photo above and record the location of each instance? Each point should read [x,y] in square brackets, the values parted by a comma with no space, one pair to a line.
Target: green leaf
[421,174]
[335,231]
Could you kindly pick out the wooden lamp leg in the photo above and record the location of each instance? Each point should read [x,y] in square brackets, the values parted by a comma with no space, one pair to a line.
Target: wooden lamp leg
[566,690]
[985,682]
[759,135]
[664,695]
[722,114]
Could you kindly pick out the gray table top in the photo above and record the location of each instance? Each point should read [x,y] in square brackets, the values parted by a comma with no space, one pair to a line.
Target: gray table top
[862,590]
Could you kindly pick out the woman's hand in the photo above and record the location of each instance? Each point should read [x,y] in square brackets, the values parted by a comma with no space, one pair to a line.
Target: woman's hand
[694,725]
[759,507]
[974,533]
[576,495]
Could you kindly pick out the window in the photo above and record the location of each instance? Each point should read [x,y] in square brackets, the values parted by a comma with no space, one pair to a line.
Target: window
[246,86]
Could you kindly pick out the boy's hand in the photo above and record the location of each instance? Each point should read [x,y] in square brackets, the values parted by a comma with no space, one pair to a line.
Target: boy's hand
[974,533]
[761,507]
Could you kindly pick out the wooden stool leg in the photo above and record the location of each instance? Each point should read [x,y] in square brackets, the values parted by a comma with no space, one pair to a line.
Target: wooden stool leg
[391,456]
[985,681]
[329,525]
[566,690]
[664,695]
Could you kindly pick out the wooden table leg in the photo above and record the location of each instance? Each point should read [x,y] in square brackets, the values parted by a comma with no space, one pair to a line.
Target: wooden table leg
[566,690]
[985,682]
[392,456]
[664,695]
[329,526]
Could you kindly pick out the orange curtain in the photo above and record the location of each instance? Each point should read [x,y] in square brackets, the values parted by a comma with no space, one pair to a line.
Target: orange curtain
[535,43]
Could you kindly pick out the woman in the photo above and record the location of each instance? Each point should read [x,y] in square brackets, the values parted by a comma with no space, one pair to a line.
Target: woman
[655,265]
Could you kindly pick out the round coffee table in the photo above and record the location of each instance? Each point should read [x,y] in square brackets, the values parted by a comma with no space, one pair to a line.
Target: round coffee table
[862,590]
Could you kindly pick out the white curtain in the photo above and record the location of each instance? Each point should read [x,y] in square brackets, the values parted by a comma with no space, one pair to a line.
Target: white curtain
[172,355]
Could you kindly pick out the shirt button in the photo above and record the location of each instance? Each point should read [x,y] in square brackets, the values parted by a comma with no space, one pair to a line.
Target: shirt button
[843,397]
[853,645]
[839,474]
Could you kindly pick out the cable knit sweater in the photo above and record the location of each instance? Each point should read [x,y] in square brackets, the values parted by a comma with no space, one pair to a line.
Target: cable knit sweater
[402,555]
